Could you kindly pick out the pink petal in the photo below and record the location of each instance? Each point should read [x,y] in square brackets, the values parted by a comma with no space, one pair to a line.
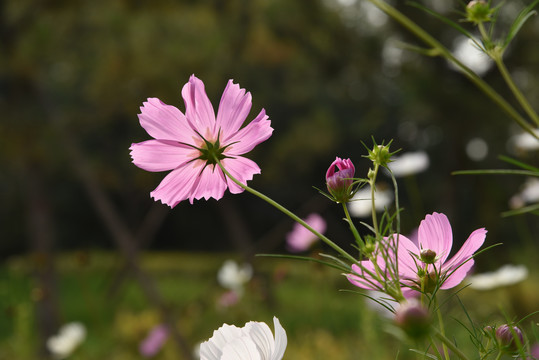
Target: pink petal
[177,186]
[198,108]
[242,169]
[211,184]
[406,261]
[233,109]
[435,234]
[165,122]
[161,155]
[363,279]
[251,135]
[474,242]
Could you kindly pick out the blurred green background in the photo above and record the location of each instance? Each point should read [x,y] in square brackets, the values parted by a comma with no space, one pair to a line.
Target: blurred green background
[73,75]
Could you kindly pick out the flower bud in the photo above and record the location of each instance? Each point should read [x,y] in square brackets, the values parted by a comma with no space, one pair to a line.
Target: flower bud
[339,183]
[380,155]
[427,256]
[506,337]
[478,11]
[413,319]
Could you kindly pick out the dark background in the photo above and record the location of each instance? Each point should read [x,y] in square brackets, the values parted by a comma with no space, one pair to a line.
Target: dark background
[73,75]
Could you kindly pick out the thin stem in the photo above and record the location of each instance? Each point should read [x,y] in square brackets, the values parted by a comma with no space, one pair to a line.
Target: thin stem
[358,238]
[372,180]
[442,332]
[445,341]
[287,212]
[442,51]
[516,91]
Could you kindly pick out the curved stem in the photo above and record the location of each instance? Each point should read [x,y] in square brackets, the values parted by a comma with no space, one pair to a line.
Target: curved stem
[442,332]
[442,51]
[358,238]
[286,212]
[516,91]
[445,341]
[372,181]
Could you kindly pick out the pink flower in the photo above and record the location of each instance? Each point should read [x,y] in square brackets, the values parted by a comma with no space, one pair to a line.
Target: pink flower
[155,340]
[425,262]
[339,183]
[188,144]
[301,239]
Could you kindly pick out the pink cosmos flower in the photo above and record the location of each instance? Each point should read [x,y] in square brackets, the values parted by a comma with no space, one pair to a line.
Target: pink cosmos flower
[189,143]
[426,261]
[339,182]
[155,340]
[301,239]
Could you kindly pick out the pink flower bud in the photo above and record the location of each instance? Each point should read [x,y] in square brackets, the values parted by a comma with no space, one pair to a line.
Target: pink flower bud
[506,337]
[339,183]
[414,319]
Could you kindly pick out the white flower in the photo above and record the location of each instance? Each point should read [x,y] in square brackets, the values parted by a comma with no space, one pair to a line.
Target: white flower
[528,195]
[69,337]
[409,163]
[504,276]
[232,276]
[254,341]
[525,141]
[467,52]
[361,204]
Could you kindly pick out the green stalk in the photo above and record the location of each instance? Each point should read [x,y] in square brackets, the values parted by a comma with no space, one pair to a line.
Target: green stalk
[442,51]
[286,212]
[358,238]
[372,180]
[516,91]
[445,341]
[442,333]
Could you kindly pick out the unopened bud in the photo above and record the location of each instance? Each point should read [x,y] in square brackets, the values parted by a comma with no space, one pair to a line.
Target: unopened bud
[413,319]
[506,337]
[428,256]
[478,11]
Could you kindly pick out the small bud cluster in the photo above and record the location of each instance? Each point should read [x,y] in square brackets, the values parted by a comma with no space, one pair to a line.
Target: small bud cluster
[478,11]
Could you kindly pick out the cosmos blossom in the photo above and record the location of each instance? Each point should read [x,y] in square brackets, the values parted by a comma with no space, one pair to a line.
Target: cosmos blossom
[189,144]
[254,341]
[425,263]
[301,239]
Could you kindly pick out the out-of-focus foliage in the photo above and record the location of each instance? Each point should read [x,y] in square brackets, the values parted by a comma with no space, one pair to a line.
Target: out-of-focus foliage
[327,72]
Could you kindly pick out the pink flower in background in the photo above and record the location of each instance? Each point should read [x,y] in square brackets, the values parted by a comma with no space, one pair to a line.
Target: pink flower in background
[155,340]
[301,239]
[188,144]
[427,260]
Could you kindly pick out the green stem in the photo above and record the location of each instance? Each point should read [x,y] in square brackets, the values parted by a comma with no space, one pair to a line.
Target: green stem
[358,238]
[442,332]
[372,180]
[516,91]
[446,342]
[442,51]
[287,212]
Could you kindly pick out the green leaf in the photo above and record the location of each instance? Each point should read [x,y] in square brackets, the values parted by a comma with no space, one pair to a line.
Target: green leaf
[496,171]
[526,209]
[522,17]
[442,18]
[518,163]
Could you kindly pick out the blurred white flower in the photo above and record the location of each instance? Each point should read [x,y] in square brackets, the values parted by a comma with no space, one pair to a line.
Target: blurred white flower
[301,239]
[361,204]
[524,141]
[381,303]
[254,341]
[504,276]
[69,337]
[231,276]
[528,195]
[409,163]
[477,149]
[467,52]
